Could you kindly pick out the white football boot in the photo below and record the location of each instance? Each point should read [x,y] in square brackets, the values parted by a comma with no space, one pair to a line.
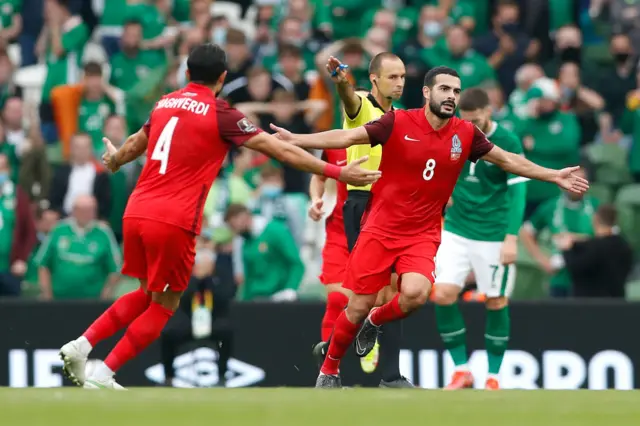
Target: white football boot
[102,383]
[74,360]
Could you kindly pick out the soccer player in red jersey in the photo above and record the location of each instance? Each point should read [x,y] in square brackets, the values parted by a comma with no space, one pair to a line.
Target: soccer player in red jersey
[424,151]
[186,138]
[335,253]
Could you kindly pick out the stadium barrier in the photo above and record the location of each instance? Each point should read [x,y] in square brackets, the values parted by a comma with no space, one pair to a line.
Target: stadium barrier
[554,345]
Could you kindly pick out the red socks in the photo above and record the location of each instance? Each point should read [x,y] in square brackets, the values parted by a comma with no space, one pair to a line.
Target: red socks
[336,303]
[119,315]
[144,330]
[343,334]
[388,312]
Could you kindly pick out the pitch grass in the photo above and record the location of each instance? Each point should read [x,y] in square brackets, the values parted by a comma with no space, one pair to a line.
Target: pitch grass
[310,407]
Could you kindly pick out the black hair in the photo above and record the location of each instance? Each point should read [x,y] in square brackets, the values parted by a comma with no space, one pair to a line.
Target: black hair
[473,99]
[93,69]
[376,62]
[430,76]
[607,214]
[206,63]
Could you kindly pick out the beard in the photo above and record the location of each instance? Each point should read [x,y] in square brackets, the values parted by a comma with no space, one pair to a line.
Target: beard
[436,109]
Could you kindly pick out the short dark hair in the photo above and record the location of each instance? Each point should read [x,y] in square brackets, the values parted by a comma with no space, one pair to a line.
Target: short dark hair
[63,3]
[430,76]
[607,215]
[132,21]
[235,36]
[473,99]
[206,63]
[92,69]
[505,3]
[289,50]
[376,62]
[234,210]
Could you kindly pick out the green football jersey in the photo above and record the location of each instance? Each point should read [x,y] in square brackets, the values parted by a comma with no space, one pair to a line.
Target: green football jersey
[8,9]
[79,260]
[65,69]
[480,209]
[91,118]
[8,202]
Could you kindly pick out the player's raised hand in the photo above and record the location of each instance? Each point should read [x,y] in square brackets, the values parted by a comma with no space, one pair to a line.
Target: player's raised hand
[315,210]
[336,69]
[108,158]
[354,175]
[569,180]
[281,133]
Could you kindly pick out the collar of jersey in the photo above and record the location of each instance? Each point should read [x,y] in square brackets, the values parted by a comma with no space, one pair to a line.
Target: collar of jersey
[375,103]
[492,130]
[429,129]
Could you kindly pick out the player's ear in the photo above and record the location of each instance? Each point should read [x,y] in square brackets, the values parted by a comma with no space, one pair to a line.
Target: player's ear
[426,91]
[222,77]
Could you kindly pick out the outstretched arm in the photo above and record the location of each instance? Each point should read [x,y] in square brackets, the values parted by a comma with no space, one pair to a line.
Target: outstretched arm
[373,133]
[518,165]
[331,139]
[133,147]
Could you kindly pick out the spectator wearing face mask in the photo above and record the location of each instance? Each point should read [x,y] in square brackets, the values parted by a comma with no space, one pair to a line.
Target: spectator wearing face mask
[551,138]
[568,48]
[456,52]
[272,266]
[431,26]
[507,46]
[615,82]
[17,231]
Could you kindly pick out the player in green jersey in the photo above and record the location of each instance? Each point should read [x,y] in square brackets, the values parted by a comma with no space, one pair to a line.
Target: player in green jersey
[480,235]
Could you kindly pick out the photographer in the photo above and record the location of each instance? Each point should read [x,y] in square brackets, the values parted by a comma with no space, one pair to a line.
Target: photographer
[204,308]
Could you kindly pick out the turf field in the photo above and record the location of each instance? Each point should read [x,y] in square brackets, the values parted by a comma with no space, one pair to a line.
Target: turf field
[302,407]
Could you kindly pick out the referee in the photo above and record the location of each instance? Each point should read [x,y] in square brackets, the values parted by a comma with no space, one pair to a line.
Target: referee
[387,75]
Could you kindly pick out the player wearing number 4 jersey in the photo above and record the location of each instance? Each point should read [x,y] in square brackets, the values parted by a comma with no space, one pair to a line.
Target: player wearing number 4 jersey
[480,234]
[187,137]
[425,151]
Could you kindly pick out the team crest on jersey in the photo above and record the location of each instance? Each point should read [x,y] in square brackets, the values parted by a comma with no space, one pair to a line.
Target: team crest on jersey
[263,247]
[456,148]
[246,126]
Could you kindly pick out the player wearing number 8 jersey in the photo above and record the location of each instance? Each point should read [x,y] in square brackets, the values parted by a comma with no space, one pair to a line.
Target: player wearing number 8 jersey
[425,150]
[187,137]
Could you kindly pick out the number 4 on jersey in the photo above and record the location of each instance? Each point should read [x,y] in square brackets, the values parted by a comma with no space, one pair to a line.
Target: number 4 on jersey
[163,145]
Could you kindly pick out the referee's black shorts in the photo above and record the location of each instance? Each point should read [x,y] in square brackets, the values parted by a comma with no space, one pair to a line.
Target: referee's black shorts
[352,211]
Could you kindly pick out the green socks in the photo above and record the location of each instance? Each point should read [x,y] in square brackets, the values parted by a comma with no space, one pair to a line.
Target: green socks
[496,337]
[452,331]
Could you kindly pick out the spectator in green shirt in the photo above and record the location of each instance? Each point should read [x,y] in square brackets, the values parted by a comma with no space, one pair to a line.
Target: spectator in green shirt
[551,139]
[80,259]
[456,52]
[99,101]
[290,31]
[273,268]
[132,64]
[61,42]
[10,21]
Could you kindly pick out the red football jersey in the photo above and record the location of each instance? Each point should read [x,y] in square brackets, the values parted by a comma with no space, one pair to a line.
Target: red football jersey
[335,222]
[190,132]
[420,167]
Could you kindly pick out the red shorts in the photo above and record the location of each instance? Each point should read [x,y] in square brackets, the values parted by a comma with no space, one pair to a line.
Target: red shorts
[374,256]
[335,256]
[158,252]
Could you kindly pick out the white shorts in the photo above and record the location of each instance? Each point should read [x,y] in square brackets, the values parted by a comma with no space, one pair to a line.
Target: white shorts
[457,256]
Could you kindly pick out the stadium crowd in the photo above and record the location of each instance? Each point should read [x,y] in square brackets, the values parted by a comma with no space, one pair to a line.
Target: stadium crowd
[563,74]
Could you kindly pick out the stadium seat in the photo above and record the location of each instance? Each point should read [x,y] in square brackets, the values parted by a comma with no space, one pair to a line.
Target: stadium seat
[601,192]
[610,162]
[627,203]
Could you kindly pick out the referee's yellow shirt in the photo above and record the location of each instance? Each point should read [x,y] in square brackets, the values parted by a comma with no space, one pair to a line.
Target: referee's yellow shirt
[369,111]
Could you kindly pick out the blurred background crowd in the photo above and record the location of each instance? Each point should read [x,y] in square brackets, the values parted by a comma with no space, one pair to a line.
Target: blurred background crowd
[563,74]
